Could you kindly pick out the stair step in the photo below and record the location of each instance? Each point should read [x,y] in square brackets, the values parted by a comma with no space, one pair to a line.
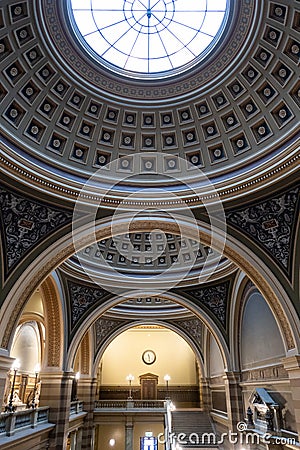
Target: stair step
[195,426]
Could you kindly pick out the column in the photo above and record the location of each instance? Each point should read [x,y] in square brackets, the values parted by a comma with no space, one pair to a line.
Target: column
[22,388]
[87,393]
[234,401]
[56,393]
[129,433]
[73,440]
[205,395]
[79,440]
[5,364]
[292,366]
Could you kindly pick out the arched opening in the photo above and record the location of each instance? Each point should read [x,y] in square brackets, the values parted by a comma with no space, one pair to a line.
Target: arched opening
[141,368]
[149,349]
[234,251]
[261,355]
[28,349]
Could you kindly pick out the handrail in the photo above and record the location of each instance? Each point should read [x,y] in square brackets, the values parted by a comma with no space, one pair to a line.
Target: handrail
[129,404]
[76,407]
[10,422]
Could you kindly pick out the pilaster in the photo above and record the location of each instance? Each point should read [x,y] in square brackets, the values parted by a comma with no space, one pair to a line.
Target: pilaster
[205,395]
[56,393]
[129,433]
[5,365]
[292,366]
[86,392]
[233,399]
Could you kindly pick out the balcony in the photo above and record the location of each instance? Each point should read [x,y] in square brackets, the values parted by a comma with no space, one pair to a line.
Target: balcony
[27,419]
[151,406]
[76,407]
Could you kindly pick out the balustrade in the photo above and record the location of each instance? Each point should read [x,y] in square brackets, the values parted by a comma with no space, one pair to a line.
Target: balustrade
[11,422]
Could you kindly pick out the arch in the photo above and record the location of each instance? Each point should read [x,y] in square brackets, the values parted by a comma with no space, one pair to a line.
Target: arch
[261,328]
[241,285]
[203,316]
[27,345]
[256,270]
[54,329]
[135,323]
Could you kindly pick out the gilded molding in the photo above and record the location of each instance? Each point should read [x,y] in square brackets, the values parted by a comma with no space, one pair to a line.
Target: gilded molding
[54,329]
[85,355]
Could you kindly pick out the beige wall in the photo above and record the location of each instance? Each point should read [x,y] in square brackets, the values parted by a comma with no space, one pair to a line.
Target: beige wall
[106,432]
[124,356]
[35,304]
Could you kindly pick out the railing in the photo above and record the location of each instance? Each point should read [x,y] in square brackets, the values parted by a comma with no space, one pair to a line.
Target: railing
[76,407]
[10,422]
[129,404]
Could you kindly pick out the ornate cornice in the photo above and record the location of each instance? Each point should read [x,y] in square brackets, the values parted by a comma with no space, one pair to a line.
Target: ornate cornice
[274,169]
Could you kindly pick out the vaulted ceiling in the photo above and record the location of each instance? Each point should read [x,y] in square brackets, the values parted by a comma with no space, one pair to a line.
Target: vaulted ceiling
[217,143]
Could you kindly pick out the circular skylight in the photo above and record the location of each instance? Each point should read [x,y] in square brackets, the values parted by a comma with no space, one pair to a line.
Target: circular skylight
[148,37]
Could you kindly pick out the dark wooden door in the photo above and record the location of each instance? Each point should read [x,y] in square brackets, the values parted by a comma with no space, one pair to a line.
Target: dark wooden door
[149,389]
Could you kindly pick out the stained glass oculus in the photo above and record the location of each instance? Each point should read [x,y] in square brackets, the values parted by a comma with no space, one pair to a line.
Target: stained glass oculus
[149,36]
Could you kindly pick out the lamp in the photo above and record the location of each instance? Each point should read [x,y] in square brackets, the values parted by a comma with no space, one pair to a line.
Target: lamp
[37,370]
[167,378]
[130,378]
[10,407]
[74,387]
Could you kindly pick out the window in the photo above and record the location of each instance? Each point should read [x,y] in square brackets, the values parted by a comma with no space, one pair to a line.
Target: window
[148,37]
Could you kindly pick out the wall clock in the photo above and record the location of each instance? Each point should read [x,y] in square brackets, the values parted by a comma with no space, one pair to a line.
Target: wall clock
[148,357]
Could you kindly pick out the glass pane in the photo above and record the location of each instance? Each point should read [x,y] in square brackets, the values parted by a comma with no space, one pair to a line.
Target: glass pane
[149,36]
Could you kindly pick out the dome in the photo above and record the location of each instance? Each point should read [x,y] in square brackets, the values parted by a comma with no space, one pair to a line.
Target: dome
[224,118]
[148,40]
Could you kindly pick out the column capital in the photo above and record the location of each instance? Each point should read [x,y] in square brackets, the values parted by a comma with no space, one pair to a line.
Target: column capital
[291,363]
[232,377]
[6,362]
[56,375]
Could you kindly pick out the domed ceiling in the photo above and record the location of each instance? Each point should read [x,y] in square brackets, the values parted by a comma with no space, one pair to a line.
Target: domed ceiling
[65,117]
[148,255]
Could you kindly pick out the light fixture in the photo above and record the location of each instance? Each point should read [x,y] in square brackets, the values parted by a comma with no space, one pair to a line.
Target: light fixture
[167,378]
[16,365]
[37,369]
[130,379]
[112,442]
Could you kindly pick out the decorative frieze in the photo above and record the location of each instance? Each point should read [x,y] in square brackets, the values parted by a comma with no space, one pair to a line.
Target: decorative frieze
[26,222]
[271,224]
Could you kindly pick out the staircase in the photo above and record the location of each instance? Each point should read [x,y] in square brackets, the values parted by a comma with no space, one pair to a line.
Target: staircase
[193,429]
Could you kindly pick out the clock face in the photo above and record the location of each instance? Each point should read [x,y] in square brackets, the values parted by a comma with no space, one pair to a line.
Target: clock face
[148,357]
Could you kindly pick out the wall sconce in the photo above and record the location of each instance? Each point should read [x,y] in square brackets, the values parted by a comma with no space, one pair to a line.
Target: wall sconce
[130,379]
[10,407]
[37,370]
[167,378]
[112,442]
